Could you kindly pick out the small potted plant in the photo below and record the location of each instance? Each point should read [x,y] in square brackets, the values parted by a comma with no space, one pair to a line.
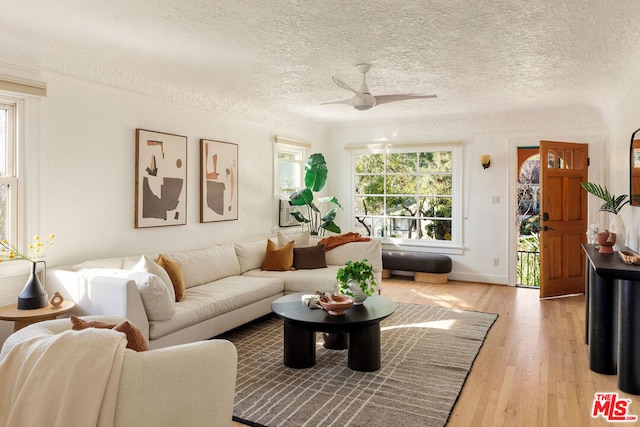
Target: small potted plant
[356,279]
[612,204]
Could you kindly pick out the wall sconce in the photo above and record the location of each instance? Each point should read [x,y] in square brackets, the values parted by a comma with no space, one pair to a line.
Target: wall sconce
[485,159]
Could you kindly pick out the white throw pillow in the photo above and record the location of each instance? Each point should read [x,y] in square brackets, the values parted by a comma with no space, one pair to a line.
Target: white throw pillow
[251,254]
[150,266]
[301,239]
[156,299]
[207,265]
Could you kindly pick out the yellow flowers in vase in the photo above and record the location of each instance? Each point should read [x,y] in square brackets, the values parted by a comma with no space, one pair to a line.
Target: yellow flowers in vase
[33,296]
[37,249]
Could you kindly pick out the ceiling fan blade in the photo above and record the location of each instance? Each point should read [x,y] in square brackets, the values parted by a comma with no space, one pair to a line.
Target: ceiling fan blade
[346,101]
[338,81]
[383,99]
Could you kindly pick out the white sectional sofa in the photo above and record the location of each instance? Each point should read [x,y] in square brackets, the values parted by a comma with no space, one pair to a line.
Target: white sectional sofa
[224,287]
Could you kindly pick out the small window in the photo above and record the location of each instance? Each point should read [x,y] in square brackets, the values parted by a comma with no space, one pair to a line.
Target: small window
[8,177]
[290,169]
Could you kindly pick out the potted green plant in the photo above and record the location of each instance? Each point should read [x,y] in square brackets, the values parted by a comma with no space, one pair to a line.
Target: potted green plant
[612,204]
[314,180]
[356,279]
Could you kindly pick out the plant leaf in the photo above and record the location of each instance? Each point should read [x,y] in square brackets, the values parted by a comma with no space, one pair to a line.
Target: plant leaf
[302,197]
[329,216]
[611,203]
[331,199]
[299,217]
[331,226]
[316,172]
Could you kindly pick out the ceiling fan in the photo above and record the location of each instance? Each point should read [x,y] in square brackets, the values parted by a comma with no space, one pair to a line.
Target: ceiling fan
[363,100]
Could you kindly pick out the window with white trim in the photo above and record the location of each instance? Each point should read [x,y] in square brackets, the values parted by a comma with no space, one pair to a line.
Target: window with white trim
[8,173]
[411,193]
[290,160]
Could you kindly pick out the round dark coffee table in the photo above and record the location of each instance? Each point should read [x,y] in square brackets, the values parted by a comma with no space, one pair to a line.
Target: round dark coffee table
[361,323]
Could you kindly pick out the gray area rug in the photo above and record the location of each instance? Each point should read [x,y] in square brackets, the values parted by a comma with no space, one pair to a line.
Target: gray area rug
[427,353]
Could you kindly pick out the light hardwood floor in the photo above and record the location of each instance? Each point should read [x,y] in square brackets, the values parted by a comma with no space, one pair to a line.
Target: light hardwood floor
[533,367]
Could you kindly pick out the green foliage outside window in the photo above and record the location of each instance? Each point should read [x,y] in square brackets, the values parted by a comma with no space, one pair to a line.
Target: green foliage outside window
[406,195]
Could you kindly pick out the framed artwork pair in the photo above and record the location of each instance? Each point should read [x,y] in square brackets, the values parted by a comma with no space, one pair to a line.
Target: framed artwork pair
[161,180]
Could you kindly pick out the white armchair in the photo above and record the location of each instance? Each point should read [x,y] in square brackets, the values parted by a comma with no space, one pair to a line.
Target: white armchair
[190,384]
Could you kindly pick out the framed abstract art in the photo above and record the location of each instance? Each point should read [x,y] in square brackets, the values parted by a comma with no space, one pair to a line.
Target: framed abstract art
[218,181]
[161,179]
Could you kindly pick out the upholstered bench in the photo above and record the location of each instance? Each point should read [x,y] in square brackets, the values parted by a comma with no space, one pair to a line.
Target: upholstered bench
[427,267]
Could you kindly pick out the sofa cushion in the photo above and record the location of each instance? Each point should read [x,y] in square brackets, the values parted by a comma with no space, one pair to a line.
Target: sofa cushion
[207,265]
[251,254]
[135,339]
[307,281]
[158,303]
[206,301]
[150,266]
[100,263]
[278,259]
[309,258]
[300,239]
[357,251]
[176,277]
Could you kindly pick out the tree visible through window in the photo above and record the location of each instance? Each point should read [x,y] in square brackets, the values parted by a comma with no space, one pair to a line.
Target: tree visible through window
[404,194]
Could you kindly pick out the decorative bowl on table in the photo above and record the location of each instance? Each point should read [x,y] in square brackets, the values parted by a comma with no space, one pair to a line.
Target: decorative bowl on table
[629,257]
[338,305]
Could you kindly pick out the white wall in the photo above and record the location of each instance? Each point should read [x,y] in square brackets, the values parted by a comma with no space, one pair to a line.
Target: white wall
[623,122]
[488,229]
[87,170]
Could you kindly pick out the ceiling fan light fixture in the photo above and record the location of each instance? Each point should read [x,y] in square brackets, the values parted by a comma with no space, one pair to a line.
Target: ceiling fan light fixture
[362,107]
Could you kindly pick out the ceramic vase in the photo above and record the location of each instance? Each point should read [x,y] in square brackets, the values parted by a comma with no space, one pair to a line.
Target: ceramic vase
[606,240]
[617,227]
[358,296]
[33,295]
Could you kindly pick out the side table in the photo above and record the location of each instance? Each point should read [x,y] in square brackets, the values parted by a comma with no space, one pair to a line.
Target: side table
[22,318]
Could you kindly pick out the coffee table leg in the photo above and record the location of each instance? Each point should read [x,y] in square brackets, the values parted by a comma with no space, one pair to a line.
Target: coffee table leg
[364,348]
[336,340]
[299,346]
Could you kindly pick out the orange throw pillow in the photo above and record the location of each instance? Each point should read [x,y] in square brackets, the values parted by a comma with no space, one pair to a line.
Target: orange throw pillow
[135,339]
[278,259]
[174,270]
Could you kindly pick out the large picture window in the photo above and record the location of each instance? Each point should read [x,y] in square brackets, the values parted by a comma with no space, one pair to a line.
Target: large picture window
[408,193]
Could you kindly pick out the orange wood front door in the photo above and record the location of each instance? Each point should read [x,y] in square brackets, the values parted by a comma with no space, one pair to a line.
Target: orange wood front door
[563,218]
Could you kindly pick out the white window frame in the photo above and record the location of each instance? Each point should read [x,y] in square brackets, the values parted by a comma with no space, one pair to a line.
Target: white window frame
[11,173]
[453,246]
[289,146]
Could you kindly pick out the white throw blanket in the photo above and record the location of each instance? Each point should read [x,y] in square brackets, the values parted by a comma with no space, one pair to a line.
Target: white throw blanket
[68,379]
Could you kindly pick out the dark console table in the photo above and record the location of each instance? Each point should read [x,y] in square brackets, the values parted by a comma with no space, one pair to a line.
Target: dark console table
[613,317]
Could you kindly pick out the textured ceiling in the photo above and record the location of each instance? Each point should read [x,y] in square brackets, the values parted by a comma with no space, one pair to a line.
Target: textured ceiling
[272,59]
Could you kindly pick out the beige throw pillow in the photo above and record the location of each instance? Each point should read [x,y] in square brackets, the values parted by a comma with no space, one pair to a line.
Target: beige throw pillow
[174,270]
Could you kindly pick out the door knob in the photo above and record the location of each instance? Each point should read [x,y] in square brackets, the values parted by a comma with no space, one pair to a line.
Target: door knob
[545,228]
